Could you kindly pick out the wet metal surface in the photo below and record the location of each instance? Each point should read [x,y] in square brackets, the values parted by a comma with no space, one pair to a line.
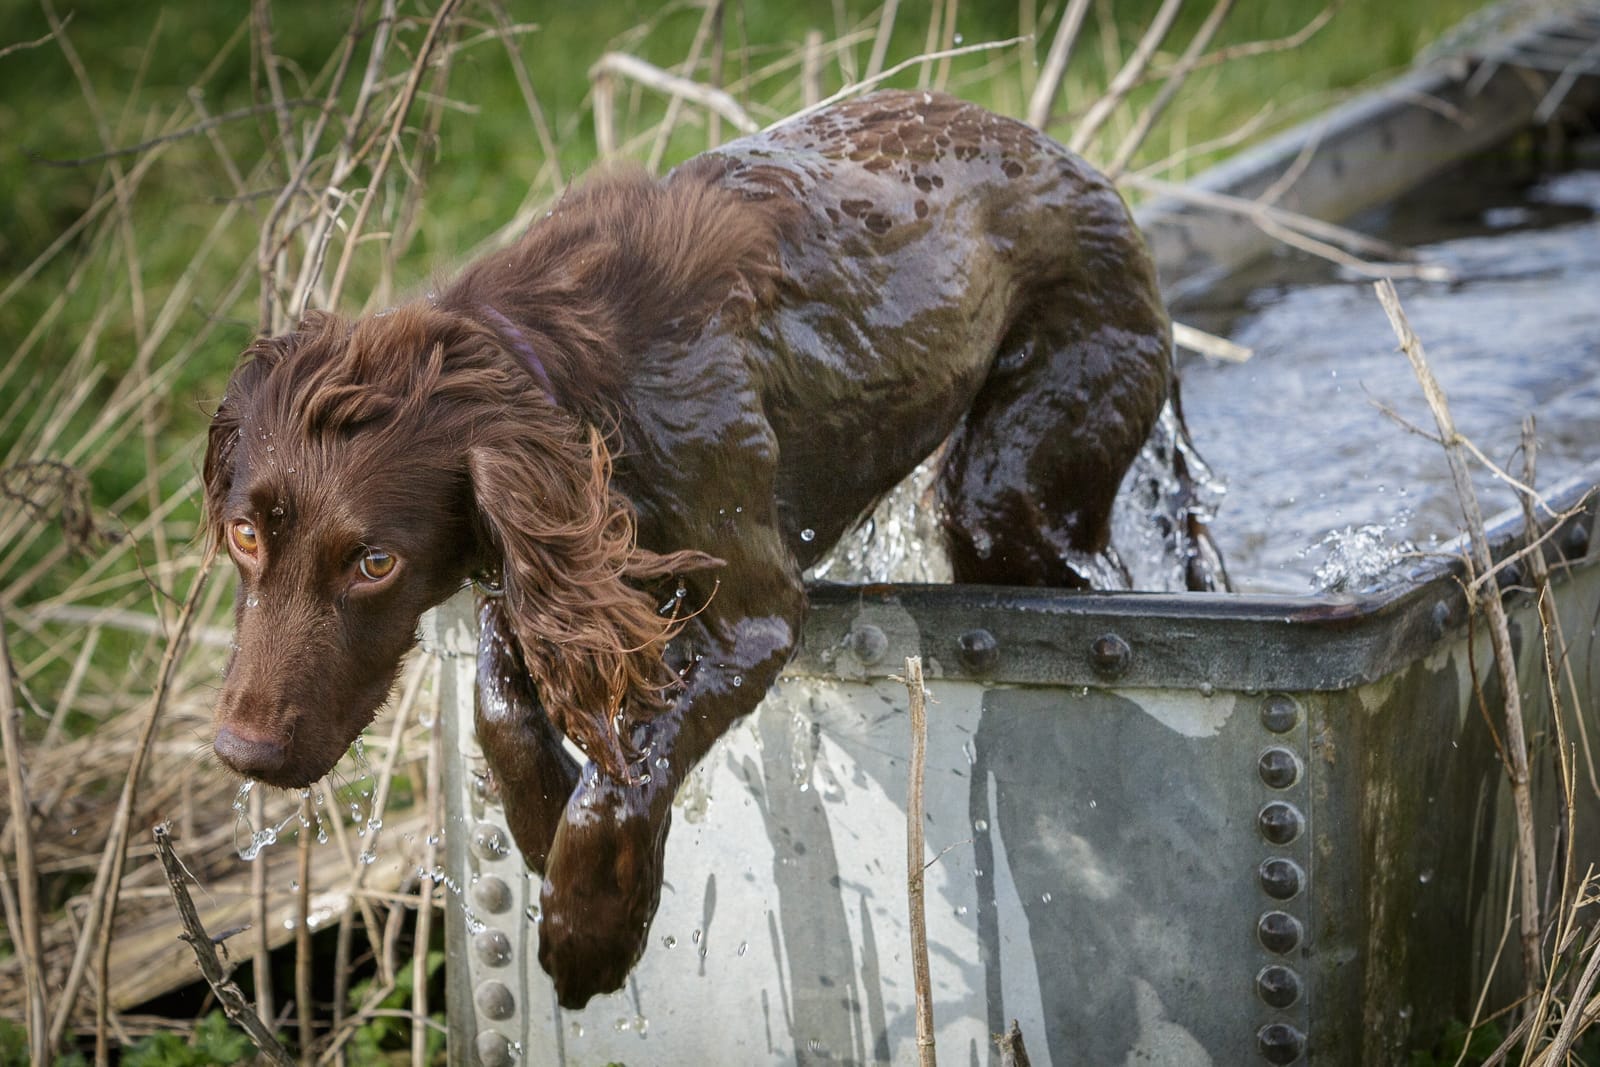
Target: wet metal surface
[1236,856]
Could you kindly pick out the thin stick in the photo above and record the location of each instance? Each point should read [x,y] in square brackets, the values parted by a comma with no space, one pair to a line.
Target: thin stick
[942,79]
[811,69]
[867,83]
[1169,89]
[261,959]
[708,23]
[1303,231]
[1209,344]
[102,911]
[1055,64]
[31,945]
[381,168]
[303,1008]
[622,65]
[530,99]
[880,43]
[233,1001]
[914,866]
[1499,631]
[1127,77]
[419,957]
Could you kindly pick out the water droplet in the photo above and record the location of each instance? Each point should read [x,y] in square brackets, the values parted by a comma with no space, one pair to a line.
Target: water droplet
[961,909]
[980,825]
[577,1029]
[695,937]
[1425,877]
[252,601]
[744,946]
[669,942]
[738,680]
[808,534]
[1045,898]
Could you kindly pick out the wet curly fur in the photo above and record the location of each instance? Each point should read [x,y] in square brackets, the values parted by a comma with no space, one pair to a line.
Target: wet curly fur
[643,421]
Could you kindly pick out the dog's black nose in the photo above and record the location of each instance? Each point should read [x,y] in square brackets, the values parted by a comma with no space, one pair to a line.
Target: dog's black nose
[253,757]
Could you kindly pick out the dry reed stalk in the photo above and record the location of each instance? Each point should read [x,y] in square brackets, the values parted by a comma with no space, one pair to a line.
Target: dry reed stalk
[880,39]
[811,69]
[1305,232]
[916,865]
[710,19]
[1187,63]
[1500,635]
[233,1002]
[530,99]
[867,83]
[23,913]
[1126,78]
[303,1007]
[434,777]
[1055,63]
[947,40]
[614,65]
[261,958]
[380,169]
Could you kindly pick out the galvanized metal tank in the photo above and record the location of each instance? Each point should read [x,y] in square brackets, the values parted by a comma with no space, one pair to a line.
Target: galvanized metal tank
[1165,828]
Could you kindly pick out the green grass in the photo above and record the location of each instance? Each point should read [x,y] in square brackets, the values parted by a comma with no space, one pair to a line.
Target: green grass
[143,57]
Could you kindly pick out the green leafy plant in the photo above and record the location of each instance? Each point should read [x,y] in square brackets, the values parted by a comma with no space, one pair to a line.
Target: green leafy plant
[214,1041]
[382,1035]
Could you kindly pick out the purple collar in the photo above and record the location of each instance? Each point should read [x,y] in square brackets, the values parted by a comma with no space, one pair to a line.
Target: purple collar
[519,342]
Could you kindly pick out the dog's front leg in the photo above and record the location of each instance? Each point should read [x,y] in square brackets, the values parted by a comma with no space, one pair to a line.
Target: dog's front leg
[534,774]
[603,881]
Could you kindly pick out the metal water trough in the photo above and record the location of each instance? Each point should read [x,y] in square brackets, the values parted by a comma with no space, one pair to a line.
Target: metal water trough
[1171,828]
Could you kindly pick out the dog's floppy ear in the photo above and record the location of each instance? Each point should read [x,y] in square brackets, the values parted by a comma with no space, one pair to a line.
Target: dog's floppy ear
[564,538]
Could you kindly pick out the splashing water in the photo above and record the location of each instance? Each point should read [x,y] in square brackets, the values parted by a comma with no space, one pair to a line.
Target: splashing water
[1358,556]
[902,541]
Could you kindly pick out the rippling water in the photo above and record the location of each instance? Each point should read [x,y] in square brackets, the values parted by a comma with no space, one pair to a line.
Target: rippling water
[1315,471]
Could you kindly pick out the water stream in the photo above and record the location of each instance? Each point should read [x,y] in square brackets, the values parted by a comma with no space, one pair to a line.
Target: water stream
[1323,486]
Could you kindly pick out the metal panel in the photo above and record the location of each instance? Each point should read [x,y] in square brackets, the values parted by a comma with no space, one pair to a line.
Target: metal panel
[1225,854]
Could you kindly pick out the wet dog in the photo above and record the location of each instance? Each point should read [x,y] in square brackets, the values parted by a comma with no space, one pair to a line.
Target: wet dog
[639,424]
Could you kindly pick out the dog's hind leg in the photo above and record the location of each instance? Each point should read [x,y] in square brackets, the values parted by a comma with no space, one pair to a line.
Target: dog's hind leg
[534,774]
[1031,474]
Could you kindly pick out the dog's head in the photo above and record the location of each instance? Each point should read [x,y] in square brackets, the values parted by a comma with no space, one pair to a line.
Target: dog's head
[358,474]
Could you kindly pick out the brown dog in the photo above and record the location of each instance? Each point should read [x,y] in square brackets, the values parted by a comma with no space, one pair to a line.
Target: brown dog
[643,421]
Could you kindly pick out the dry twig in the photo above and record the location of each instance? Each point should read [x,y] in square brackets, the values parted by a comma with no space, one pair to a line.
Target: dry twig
[1499,632]
[216,975]
[29,943]
[916,867]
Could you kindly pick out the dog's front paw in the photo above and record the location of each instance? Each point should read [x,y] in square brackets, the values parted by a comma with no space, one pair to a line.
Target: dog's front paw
[601,888]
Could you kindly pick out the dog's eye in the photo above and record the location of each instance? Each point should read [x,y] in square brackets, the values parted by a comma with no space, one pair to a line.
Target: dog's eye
[244,537]
[376,564]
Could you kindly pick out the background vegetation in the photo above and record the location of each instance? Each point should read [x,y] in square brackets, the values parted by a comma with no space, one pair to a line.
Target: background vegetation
[143,149]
